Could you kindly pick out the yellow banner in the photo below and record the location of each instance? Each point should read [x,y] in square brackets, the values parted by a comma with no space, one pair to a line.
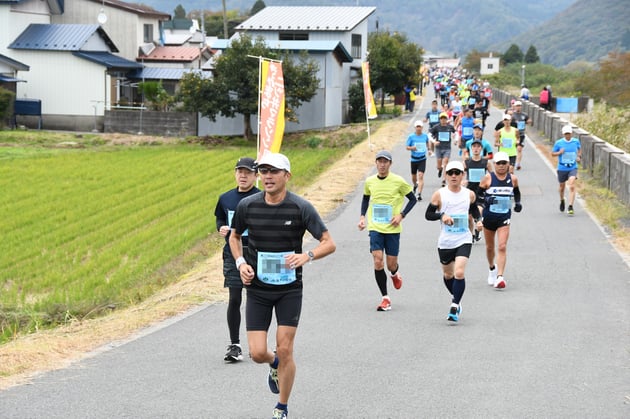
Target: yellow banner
[271,129]
[370,107]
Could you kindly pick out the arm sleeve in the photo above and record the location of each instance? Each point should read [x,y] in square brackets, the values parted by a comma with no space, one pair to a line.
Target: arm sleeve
[474,211]
[410,203]
[481,194]
[517,194]
[432,214]
[365,203]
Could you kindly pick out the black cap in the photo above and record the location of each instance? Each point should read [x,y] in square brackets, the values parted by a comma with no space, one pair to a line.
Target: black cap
[246,163]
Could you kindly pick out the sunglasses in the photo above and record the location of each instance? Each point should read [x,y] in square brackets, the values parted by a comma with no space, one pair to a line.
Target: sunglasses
[272,170]
[454,172]
[501,163]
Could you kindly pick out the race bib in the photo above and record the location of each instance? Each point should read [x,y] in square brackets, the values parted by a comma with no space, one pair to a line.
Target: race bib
[382,214]
[501,204]
[476,174]
[506,143]
[467,132]
[273,269]
[521,125]
[230,216]
[434,117]
[444,136]
[460,224]
[568,157]
[421,148]
[472,100]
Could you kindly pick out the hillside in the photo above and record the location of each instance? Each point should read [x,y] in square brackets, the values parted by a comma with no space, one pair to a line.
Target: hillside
[586,31]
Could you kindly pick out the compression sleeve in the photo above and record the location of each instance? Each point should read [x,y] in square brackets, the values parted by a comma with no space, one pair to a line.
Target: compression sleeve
[481,194]
[474,211]
[517,194]
[431,214]
[365,204]
[410,203]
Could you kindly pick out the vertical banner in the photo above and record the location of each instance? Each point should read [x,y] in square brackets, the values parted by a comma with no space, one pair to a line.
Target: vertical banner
[271,109]
[370,107]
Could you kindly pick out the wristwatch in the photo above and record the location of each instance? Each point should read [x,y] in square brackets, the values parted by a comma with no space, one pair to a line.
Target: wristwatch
[311,256]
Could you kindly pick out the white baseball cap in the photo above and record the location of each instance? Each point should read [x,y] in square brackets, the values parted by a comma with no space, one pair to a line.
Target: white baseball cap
[419,123]
[277,160]
[501,156]
[507,116]
[457,165]
[518,103]
[567,129]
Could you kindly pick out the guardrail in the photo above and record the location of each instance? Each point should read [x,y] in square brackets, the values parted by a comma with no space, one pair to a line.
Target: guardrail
[608,164]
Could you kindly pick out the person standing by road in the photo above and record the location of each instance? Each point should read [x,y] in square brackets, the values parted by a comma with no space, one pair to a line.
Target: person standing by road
[442,136]
[452,205]
[521,119]
[271,267]
[495,193]
[245,174]
[382,213]
[419,145]
[569,153]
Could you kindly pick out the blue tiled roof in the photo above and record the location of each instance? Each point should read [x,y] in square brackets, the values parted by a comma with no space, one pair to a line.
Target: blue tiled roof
[111,61]
[59,37]
[310,46]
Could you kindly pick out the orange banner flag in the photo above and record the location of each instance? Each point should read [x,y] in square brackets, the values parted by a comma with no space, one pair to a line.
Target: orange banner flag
[271,128]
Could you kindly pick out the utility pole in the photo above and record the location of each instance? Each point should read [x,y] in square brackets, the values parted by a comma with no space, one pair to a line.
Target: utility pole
[225,29]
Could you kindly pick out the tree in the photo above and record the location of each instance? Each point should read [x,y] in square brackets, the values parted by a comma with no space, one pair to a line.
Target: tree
[473,61]
[513,55]
[179,12]
[234,88]
[394,62]
[531,56]
[257,7]
[611,82]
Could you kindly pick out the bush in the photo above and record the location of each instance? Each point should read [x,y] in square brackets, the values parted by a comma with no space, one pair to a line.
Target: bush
[7,98]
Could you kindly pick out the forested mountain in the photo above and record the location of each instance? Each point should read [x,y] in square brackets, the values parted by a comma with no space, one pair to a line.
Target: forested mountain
[561,30]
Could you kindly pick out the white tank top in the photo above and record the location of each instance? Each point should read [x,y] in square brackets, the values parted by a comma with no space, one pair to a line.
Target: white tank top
[456,205]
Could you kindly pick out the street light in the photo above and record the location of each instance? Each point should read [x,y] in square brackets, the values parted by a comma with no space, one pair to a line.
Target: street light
[522,75]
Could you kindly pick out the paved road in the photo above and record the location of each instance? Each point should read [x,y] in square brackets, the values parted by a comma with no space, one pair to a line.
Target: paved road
[554,344]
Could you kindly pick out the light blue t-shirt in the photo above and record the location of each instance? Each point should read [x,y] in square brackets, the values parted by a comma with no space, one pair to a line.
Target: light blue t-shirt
[421,142]
[568,160]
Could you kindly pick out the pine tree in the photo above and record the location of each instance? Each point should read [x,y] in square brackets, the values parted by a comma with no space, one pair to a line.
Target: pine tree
[531,56]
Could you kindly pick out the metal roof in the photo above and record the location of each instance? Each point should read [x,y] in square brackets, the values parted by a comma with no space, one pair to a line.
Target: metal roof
[297,18]
[153,73]
[310,46]
[108,60]
[16,65]
[59,37]
[171,53]
[7,79]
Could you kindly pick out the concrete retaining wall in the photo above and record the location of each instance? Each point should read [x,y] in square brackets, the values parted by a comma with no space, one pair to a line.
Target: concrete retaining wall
[173,124]
[605,162]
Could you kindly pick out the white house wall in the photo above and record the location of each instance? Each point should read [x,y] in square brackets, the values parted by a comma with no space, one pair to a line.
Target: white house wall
[54,74]
[15,18]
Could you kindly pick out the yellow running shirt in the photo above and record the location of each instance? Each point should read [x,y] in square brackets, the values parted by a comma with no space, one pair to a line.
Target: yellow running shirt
[386,200]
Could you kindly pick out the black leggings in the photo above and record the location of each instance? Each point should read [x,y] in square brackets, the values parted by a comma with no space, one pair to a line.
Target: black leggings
[234,313]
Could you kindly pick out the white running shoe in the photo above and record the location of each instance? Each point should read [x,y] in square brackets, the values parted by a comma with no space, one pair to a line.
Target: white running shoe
[492,276]
[500,284]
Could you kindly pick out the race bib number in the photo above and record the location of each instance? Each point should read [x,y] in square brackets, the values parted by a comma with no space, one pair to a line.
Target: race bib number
[472,100]
[568,157]
[421,148]
[433,117]
[506,143]
[444,136]
[501,205]
[467,132]
[521,125]
[460,224]
[476,174]
[382,214]
[230,216]
[273,269]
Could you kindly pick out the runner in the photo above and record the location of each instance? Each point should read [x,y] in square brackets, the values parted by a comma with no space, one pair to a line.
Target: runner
[442,136]
[476,167]
[452,205]
[505,140]
[383,195]
[522,119]
[419,145]
[569,153]
[495,193]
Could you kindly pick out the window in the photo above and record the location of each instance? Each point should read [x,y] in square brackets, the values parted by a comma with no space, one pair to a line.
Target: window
[148,33]
[356,46]
[490,66]
[293,36]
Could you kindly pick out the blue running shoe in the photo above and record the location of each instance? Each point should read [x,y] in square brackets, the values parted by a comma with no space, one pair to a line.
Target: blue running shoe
[273,380]
[279,414]
[453,314]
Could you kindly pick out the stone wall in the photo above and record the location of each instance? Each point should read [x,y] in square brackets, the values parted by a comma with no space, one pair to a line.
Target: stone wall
[173,124]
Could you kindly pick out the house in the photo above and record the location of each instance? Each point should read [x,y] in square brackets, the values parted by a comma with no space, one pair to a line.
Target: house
[489,65]
[335,37]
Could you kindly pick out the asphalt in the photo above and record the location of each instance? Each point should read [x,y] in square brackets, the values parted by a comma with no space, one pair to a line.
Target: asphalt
[554,344]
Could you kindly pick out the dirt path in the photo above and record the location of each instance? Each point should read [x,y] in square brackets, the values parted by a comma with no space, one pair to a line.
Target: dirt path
[43,351]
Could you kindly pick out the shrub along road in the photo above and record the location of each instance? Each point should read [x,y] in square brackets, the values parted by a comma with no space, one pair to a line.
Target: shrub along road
[554,343]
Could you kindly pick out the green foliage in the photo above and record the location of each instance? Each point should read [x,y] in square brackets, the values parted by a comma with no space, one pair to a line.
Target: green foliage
[356,100]
[536,76]
[608,122]
[394,62]
[300,81]
[179,12]
[257,7]
[611,83]
[214,23]
[512,55]
[156,95]
[313,142]
[531,56]
[6,105]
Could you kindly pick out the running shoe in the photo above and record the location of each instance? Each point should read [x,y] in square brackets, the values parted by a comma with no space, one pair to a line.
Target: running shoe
[453,314]
[476,236]
[562,205]
[492,276]
[570,210]
[234,353]
[273,380]
[397,280]
[439,173]
[279,414]
[385,305]
[419,197]
[500,284]
[518,167]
